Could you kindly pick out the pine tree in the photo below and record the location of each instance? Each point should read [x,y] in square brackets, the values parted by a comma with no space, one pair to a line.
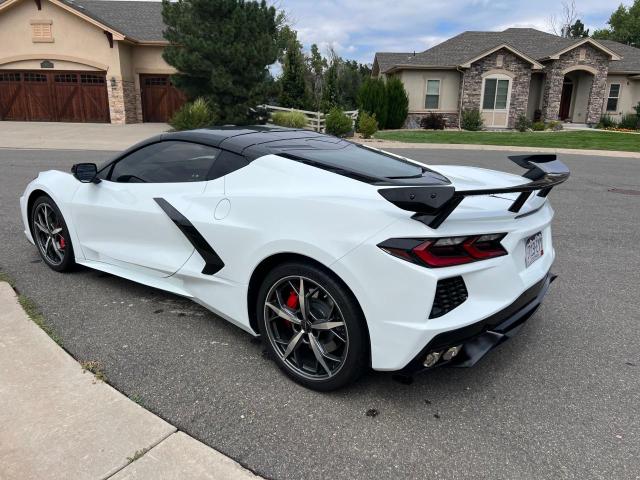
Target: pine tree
[372,98]
[294,93]
[330,93]
[221,49]
[397,103]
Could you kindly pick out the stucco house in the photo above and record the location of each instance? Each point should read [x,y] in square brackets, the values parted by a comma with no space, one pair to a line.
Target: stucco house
[517,71]
[84,61]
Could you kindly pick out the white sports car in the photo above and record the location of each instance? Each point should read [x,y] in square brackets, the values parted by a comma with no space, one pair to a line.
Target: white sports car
[342,257]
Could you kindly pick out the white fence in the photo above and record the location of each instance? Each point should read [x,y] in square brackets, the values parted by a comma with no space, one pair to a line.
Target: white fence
[315,120]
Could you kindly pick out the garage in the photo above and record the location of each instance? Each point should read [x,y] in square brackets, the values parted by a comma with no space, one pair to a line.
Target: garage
[53,96]
[160,99]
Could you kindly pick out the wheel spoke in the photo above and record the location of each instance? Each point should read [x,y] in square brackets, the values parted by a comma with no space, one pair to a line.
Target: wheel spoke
[327,325]
[57,251]
[317,352]
[56,231]
[339,337]
[302,300]
[41,227]
[46,245]
[46,216]
[282,313]
[293,344]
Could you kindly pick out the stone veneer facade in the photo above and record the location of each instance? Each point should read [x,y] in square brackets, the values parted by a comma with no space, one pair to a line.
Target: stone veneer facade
[517,68]
[124,102]
[413,119]
[555,72]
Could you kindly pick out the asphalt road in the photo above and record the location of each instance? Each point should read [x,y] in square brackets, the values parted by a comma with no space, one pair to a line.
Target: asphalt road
[561,400]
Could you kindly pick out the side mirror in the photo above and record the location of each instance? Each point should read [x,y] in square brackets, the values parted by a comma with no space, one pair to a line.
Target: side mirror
[85,172]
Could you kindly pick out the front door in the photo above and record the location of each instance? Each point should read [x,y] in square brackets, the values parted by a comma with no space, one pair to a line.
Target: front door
[565,99]
[128,219]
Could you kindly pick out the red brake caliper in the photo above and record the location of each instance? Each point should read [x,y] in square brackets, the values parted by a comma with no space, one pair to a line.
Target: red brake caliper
[62,242]
[292,301]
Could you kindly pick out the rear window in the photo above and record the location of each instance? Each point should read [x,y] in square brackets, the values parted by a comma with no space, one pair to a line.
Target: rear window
[361,160]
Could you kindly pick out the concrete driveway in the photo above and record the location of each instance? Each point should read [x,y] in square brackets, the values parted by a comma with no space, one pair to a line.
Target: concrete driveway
[75,136]
[558,401]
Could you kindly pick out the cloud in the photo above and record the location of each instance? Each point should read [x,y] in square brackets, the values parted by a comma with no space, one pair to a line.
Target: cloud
[358,28]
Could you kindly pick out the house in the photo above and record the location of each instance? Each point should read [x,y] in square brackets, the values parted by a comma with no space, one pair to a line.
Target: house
[514,72]
[84,61]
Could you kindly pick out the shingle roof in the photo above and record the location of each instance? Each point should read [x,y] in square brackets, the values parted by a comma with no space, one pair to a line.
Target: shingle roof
[141,21]
[467,45]
[630,57]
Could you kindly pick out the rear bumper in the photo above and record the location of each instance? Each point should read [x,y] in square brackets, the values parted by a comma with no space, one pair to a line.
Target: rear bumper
[479,338]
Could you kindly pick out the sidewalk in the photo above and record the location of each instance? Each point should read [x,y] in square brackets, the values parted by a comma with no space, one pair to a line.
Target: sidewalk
[58,422]
[386,144]
[75,136]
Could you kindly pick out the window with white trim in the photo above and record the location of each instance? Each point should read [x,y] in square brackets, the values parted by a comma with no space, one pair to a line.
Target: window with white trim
[432,98]
[41,31]
[614,95]
[496,94]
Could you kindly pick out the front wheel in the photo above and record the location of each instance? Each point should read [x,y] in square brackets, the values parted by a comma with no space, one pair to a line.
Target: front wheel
[51,235]
[312,326]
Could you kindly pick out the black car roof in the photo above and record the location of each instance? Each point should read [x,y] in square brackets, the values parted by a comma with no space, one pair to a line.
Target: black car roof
[238,139]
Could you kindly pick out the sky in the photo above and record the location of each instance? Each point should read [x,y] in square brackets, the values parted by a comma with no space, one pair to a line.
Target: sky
[359,28]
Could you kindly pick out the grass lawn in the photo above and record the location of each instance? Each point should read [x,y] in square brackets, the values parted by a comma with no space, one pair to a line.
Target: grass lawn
[581,139]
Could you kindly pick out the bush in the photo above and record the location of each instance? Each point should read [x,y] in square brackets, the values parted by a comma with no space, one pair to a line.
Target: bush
[554,125]
[472,120]
[367,125]
[538,126]
[397,103]
[629,121]
[522,123]
[607,122]
[372,98]
[192,115]
[337,123]
[289,119]
[433,121]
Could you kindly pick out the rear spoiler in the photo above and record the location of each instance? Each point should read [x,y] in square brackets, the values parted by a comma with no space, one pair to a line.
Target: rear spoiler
[434,203]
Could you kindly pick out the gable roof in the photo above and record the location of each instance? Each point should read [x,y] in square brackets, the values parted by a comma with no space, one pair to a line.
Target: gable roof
[138,21]
[467,46]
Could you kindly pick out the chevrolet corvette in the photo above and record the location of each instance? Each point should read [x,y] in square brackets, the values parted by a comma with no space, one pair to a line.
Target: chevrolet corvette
[340,256]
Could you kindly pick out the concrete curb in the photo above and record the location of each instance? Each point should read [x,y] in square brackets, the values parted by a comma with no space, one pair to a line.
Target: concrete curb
[386,144]
[60,422]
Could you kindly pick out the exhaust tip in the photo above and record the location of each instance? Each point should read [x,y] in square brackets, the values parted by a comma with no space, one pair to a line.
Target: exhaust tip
[431,359]
[451,353]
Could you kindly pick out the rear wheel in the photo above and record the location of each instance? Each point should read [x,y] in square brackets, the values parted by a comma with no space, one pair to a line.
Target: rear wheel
[312,326]
[51,235]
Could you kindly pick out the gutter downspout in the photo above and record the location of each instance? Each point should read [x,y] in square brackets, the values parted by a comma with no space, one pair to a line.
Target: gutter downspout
[461,96]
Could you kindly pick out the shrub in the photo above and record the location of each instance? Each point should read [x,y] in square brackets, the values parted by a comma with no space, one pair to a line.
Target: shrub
[522,123]
[538,126]
[554,125]
[397,103]
[472,120]
[367,125]
[629,121]
[289,119]
[372,98]
[607,122]
[433,121]
[196,114]
[338,123]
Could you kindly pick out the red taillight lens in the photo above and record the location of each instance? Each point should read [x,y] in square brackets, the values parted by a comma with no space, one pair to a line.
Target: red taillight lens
[446,251]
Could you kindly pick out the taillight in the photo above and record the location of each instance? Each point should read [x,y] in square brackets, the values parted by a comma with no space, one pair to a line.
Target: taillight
[446,251]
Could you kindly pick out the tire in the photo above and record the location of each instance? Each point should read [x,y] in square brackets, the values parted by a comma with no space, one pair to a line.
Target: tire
[338,352]
[51,235]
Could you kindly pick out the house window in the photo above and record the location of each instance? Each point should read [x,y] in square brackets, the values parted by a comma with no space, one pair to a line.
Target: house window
[614,94]
[496,94]
[41,31]
[432,98]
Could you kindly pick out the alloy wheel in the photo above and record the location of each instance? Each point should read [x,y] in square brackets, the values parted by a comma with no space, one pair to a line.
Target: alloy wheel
[48,234]
[306,327]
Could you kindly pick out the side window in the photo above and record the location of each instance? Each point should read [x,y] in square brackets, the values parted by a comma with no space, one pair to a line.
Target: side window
[166,162]
[226,163]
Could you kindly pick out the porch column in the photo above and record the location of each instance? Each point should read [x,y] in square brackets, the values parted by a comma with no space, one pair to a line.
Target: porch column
[596,96]
[552,92]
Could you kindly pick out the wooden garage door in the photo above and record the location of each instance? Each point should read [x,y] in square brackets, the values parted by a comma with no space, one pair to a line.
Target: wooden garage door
[54,96]
[160,99]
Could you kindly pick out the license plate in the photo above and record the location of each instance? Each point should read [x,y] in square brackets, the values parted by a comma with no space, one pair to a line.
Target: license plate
[533,249]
